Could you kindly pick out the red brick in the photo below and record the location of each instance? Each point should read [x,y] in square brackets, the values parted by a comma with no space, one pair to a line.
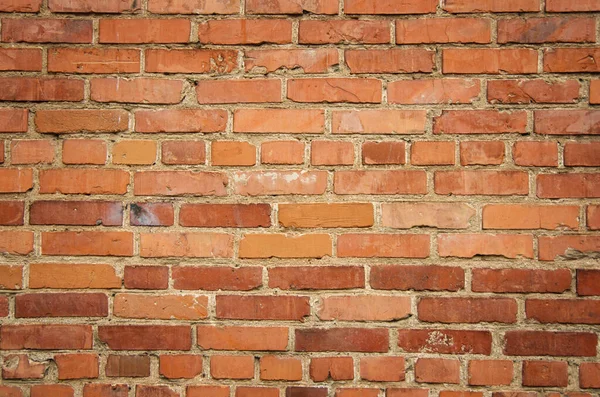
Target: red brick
[595,92]
[238,91]
[373,340]
[254,246]
[588,282]
[563,311]
[467,310]
[280,368]
[207,391]
[432,153]
[441,215]
[230,153]
[567,122]
[383,153]
[193,7]
[418,278]
[46,337]
[291,7]
[547,30]
[181,366]
[251,391]
[47,30]
[489,60]
[187,60]
[316,277]
[140,90]
[364,308]
[584,154]
[490,372]
[445,341]
[146,337]
[325,215]
[443,30]
[568,247]
[33,89]
[298,391]
[105,390]
[282,152]
[560,60]
[272,183]
[225,215]
[87,6]
[567,6]
[548,343]
[242,338]
[161,307]
[72,276]
[532,91]
[382,369]
[347,90]
[23,59]
[535,154]
[383,245]
[77,366]
[432,91]
[545,373]
[51,390]
[293,308]
[232,367]
[481,152]
[521,280]
[337,31]
[18,366]
[303,121]
[520,216]
[389,7]
[12,213]
[470,245]
[151,214]
[488,183]
[183,152]
[20,6]
[81,120]
[4,309]
[468,6]
[38,151]
[146,277]
[480,122]
[180,120]
[356,392]
[11,277]
[138,31]
[589,375]
[11,391]
[155,391]
[245,31]
[84,181]
[380,182]
[117,243]
[437,370]
[84,151]
[61,305]
[310,60]
[190,245]
[332,153]
[179,183]
[13,120]
[213,278]
[568,185]
[406,392]
[335,368]
[16,242]
[90,213]
[379,122]
[93,60]
[396,60]
[127,366]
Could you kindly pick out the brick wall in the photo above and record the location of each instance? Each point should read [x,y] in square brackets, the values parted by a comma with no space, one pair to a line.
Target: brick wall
[300,198]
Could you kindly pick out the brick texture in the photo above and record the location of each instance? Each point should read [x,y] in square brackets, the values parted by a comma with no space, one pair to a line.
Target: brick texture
[299,198]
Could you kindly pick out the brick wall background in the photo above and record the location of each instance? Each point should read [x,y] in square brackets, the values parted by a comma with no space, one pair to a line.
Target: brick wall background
[301,198]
